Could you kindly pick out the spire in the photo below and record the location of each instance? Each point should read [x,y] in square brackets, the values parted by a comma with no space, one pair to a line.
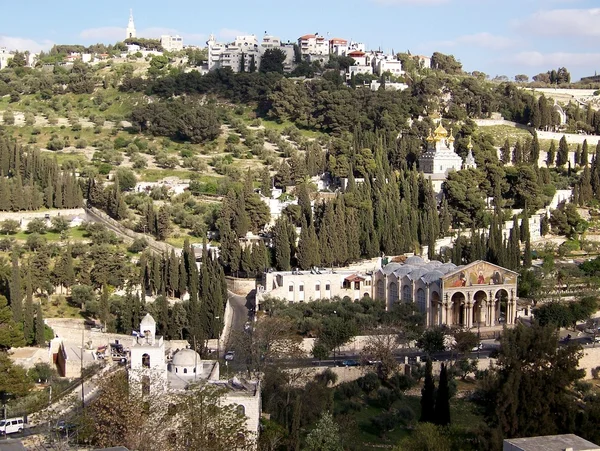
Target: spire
[470,160]
[130,26]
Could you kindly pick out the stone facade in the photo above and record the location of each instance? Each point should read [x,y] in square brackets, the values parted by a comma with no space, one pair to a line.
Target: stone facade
[476,295]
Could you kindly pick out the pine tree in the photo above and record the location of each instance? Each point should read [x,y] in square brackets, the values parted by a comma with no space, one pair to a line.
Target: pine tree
[40,336]
[442,401]
[551,155]
[562,157]
[16,293]
[428,396]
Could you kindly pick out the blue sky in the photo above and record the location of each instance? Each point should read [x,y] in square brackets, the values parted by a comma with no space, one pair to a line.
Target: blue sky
[496,37]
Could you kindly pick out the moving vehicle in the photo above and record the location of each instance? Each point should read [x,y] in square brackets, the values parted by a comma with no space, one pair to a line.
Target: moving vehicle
[12,425]
[477,348]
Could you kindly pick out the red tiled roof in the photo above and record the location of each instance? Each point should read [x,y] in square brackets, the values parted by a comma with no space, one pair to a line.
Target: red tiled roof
[356,53]
[354,278]
[308,36]
[338,41]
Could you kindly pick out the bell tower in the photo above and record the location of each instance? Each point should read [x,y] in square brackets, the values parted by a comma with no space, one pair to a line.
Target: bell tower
[130,26]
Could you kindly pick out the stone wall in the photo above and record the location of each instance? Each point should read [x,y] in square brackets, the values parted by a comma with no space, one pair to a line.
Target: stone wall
[240,286]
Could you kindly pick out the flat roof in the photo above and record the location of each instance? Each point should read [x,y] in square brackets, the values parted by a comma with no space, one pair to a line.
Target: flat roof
[550,443]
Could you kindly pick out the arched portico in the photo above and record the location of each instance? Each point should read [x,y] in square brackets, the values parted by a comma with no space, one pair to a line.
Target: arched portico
[479,310]
[458,310]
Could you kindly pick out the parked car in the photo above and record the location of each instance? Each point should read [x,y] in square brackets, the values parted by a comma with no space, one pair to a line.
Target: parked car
[12,425]
[477,348]
[350,363]
[229,356]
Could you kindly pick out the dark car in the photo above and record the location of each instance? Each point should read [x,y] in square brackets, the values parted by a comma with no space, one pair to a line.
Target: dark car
[350,363]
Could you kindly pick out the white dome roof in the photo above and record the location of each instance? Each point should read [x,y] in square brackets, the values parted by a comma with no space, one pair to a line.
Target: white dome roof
[186,357]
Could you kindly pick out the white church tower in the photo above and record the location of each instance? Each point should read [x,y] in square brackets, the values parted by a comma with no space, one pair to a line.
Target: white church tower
[148,364]
[470,160]
[130,26]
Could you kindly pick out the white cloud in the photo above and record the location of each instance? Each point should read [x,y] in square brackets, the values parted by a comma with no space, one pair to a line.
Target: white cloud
[103,34]
[562,23]
[22,44]
[556,59]
[484,40]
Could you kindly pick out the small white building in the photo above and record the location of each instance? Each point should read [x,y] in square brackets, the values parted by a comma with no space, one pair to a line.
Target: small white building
[171,43]
[148,365]
[387,63]
[388,86]
[338,47]
[565,442]
[5,57]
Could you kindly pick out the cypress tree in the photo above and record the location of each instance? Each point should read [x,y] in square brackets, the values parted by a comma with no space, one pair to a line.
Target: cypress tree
[428,396]
[40,338]
[505,152]
[163,223]
[535,149]
[104,307]
[578,156]
[304,255]
[445,218]
[544,225]
[442,401]
[304,201]
[29,313]
[247,262]
[584,161]
[562,157]
[5,202]
[265,182]
[282,245]
[550,156]
[16,293]
[517,153]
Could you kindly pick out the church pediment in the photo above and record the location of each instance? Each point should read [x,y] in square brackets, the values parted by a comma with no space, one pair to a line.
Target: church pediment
[479,273]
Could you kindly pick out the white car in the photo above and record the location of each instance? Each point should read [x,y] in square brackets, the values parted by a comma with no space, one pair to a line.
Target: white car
[477,348]
[11,425]
[229,356]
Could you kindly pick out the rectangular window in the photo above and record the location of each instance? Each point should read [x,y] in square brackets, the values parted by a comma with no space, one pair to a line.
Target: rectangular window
[317,287]
[291,288]
[301,288]
[357,285]
[327,287]
[367,283]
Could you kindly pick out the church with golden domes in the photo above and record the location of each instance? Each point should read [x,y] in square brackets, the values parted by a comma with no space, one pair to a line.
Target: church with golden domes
[440,157]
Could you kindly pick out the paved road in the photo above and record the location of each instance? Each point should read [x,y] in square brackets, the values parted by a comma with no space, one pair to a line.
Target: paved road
[241,306]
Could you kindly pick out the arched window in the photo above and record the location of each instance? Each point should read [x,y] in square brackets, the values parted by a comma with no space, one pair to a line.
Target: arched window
[185,371]
[406,293]
[241,409]
[421,304]
[146,361]
[393,292]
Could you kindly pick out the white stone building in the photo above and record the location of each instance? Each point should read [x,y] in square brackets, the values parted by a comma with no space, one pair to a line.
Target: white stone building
[148,365]
[5,57]
[387,63]
[388,86]
[479,294]
[317,283]
[338,47]
[171,43]
[313,44]
[245,48]
[130,27]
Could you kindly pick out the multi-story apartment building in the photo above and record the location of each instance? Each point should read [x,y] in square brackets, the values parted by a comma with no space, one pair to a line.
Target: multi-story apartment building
[171,43]
[313,44]
[387,63]
[245,49]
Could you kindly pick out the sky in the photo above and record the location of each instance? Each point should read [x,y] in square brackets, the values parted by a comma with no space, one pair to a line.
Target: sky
[495,37]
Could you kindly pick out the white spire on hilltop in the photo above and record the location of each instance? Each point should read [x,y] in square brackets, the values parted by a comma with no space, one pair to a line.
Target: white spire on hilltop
[130,26]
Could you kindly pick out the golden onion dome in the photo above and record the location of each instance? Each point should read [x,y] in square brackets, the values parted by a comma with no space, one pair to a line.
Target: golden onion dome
[430,138]
[440,132]
[470,145]
[451,137]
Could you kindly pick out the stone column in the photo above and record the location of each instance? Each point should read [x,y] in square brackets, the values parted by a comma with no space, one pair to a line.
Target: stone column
[429,320]
[492,311]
